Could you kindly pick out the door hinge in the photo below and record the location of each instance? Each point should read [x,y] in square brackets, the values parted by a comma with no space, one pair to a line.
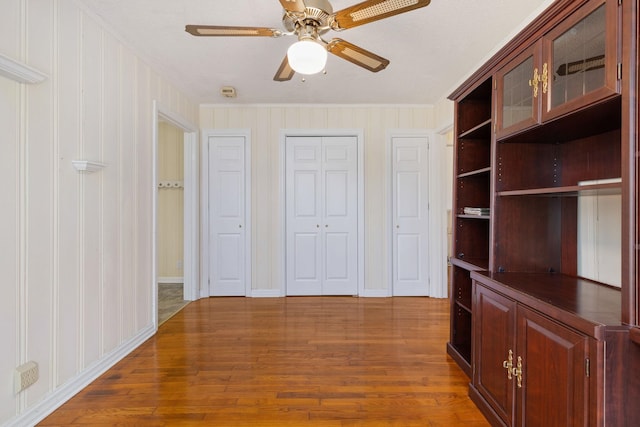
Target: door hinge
[619,71]
[587,367]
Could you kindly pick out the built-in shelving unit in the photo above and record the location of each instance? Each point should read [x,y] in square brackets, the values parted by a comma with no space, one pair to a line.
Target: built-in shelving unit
[471,234]
[542,132]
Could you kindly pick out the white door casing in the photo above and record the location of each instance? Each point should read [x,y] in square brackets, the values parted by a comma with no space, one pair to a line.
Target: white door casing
[228,213]
[191,261]
[321,209]
[410,186]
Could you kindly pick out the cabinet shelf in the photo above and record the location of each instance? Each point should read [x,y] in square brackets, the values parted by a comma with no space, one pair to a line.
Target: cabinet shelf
[571,190]
[475,172]
[463,306]
[481,131]
[587,306]
[471,264]
[466,216]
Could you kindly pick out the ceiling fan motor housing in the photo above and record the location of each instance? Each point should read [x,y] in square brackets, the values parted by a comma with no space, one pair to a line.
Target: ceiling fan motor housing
[316,14]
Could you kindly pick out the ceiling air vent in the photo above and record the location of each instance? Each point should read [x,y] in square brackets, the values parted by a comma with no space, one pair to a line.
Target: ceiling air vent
[228,91]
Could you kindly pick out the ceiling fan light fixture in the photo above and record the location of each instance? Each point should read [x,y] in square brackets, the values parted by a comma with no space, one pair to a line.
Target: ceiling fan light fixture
[307,56]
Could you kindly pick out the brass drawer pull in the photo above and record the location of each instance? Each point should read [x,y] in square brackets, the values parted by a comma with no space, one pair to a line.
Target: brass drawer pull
[517,372]
[508,364]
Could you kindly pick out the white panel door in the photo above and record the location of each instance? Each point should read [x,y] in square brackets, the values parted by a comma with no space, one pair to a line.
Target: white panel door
[227,216]
[410,215]
[321,216]
[340,215]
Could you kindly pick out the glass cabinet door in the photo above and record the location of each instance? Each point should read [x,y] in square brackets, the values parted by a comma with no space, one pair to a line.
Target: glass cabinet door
[518,93]
[580,64]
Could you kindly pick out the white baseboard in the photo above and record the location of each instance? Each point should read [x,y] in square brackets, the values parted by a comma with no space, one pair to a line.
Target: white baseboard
[266,293]
[36,413]
[375,293]
[170,280]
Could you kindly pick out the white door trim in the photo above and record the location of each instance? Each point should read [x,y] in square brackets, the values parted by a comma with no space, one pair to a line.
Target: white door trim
[359,135]
[437,210]
[191,237]
[205,290]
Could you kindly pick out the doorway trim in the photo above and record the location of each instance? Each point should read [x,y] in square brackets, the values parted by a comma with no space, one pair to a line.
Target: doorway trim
[190,224]
[359,135]
[205,290]
[437,286]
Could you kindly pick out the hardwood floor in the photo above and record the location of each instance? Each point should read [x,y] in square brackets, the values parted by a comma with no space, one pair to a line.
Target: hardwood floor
[297,361]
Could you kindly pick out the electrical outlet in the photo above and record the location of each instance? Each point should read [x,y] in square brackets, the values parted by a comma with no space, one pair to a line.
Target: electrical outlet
[25,375]
[179,265]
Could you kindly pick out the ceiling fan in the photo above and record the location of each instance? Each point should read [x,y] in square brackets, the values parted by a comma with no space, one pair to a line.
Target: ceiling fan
[309,20]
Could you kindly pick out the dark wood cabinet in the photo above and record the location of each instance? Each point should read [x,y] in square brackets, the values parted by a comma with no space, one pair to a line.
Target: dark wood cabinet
[494,347]
[530,369]
[573,65]
[518,98]
[546,236]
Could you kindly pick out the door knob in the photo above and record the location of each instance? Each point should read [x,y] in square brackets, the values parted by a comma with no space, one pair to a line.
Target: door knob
[397,226]
[240,226]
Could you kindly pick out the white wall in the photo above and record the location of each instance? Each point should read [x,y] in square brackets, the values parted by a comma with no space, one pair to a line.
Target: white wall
[266,123]
[75,249]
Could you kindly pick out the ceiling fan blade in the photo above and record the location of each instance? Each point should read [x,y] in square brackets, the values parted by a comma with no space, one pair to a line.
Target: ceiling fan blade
[222,31]
[293,5]
[285,72]
[357,55]
[373,10]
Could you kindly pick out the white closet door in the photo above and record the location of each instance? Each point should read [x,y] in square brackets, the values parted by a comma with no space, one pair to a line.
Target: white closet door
[410,216]
[322,220]
[303,215]
[227,216]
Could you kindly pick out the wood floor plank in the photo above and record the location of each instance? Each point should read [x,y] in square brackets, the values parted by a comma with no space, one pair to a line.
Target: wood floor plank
[316,361]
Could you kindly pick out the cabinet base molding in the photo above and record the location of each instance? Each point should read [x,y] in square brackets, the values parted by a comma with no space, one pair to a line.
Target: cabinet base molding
[459,359]
[491,416]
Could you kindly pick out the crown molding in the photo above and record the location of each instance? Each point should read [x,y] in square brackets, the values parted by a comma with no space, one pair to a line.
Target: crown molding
[19,72]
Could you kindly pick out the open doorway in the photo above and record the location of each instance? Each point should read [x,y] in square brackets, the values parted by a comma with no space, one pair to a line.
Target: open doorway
[170,214]
[175,220]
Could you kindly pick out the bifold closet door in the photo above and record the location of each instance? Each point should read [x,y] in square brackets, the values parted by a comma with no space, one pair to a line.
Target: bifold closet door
[321,215]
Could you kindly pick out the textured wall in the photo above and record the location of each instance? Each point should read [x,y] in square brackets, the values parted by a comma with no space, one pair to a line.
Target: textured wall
[75,248]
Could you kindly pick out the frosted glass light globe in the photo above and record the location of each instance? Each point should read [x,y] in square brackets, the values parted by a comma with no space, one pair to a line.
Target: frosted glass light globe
[307,57]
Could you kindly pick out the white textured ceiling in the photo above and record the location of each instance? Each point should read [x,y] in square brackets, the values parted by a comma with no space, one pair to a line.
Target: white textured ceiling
[431,50]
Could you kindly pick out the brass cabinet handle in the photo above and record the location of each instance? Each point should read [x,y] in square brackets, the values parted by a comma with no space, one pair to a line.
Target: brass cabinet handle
[517,372]
[508,364]
[545,78]
[534,82]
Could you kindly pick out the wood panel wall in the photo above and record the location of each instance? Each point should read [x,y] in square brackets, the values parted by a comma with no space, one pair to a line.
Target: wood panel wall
[75,249]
